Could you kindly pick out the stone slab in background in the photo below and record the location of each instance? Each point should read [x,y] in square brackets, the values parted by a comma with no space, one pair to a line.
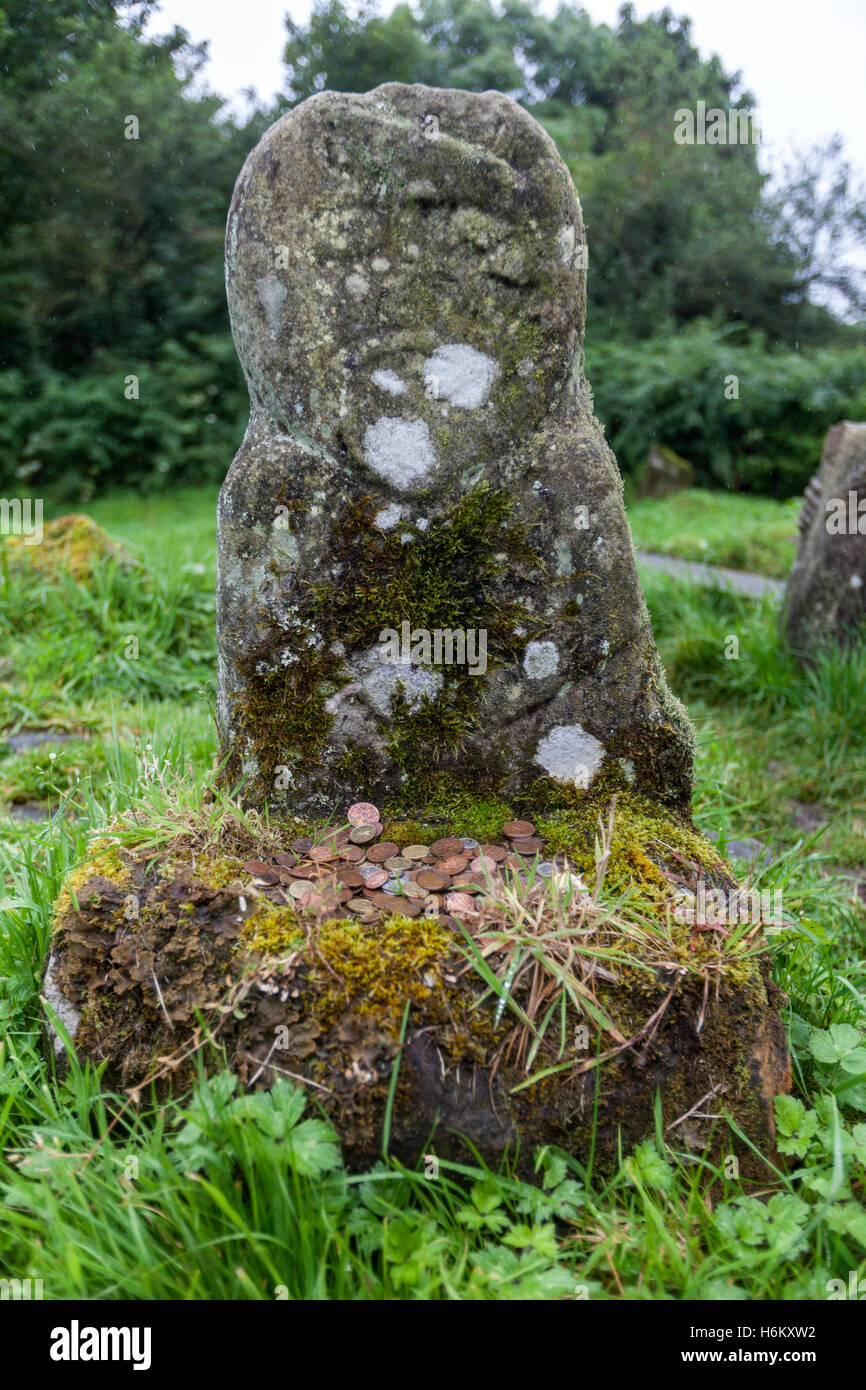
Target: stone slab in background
[665,473]
[825,601]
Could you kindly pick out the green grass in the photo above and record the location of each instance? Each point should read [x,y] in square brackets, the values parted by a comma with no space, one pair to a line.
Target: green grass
[720,528]
[168,530]
[231,1196]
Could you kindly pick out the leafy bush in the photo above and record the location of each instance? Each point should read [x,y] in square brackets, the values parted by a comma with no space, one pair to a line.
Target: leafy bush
[74,435]
[671,389]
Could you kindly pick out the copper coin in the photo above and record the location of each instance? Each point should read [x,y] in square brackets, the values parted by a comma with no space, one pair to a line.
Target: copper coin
[518,829]
[454,865]
[416,851]
[414,890]
[514,863]
[407,908]
[351,878]
[286,860]
[256,866]
[460,902]
[376,879]
[361,907]
[483,864]
[529,846]
[363,813]
[443,849]
[365,834]
[377,854]
[469,883]
[328,841]
[380,899]
[432,880]
[320,853]
[266,880]
[339,832]
[303,871]
[301,846]
[495,852]
[351,854]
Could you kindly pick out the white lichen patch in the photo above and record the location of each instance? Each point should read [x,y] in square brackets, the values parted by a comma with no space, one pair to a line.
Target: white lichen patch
[388,381]
[272,295]
[357,285]
[380,680]
[389,516]
[460,375]
[570,754]
[400,451]
[565,243]
[540,659]
[285,544]
[64,1008]
[422,190]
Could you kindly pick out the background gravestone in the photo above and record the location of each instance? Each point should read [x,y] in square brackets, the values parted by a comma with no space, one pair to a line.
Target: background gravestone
[406,280]
[665,473]
[826,595]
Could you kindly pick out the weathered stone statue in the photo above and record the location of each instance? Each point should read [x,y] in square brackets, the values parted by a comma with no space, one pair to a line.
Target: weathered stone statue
[406,278]
[826,594]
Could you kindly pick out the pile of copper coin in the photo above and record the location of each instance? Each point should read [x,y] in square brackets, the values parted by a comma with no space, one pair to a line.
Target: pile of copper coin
[351,871]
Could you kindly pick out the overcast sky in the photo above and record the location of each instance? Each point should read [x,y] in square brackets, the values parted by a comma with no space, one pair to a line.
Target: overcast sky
[804,61]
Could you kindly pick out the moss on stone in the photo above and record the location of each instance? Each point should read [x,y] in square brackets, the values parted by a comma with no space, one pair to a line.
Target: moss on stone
[104,860]
[446,578]
[71,544]
[339,992]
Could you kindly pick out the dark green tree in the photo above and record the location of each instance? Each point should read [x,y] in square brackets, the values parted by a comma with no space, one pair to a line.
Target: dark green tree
[108,242]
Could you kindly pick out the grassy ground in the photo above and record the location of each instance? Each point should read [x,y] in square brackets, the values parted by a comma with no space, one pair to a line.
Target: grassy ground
[225,1196]
[747,533]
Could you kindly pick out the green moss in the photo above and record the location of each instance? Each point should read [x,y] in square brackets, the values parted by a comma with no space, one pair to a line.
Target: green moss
[216,870]
[104,860]
[447,577]
[459,814]
[643,833]
[74,544]
[375,970]
[442,578]
[272,930]
[281,713]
